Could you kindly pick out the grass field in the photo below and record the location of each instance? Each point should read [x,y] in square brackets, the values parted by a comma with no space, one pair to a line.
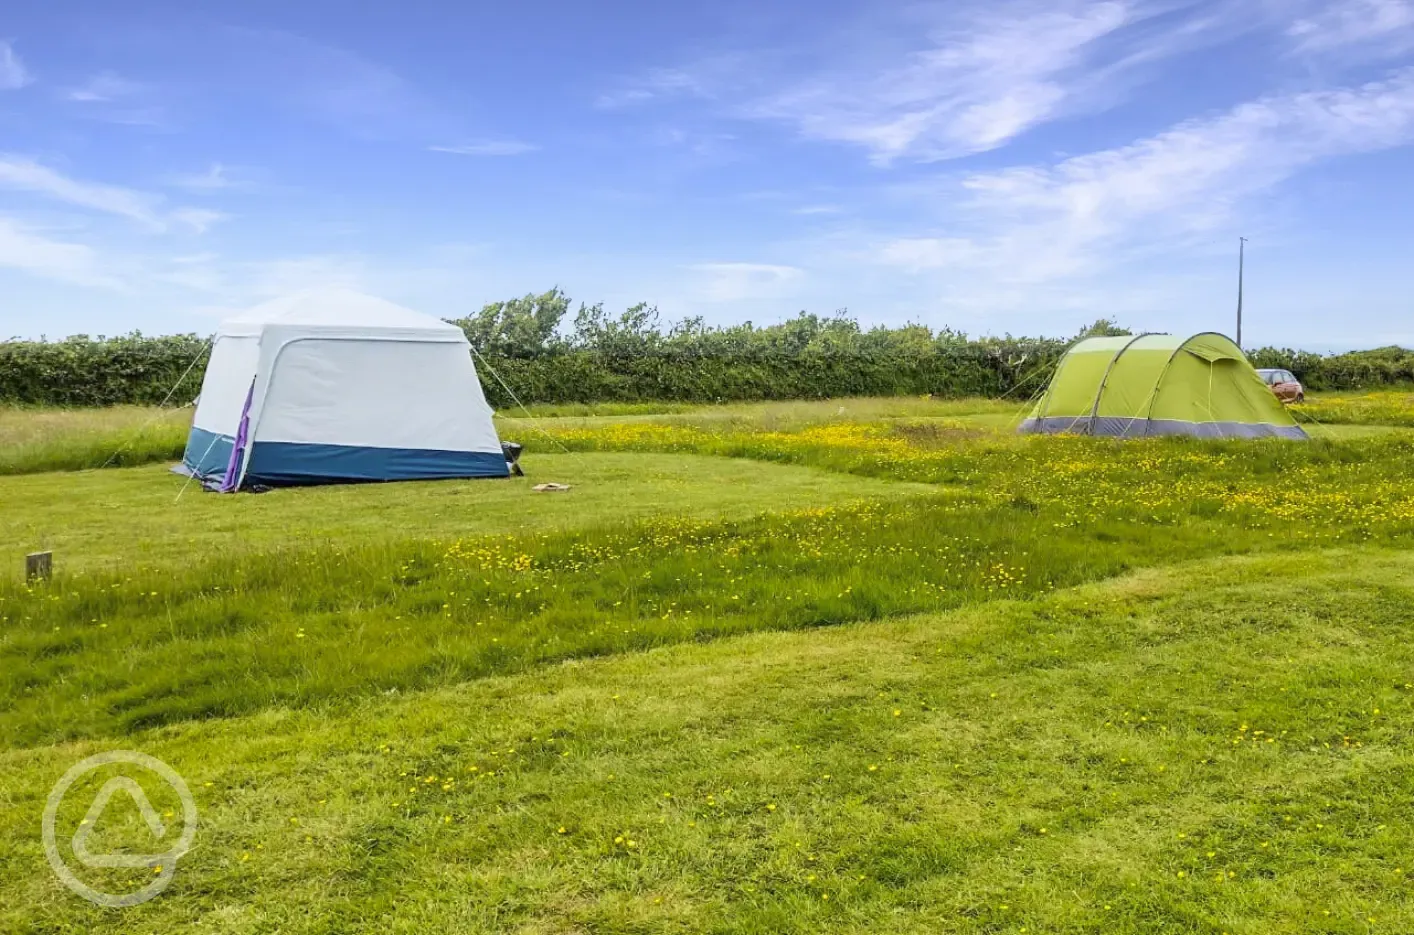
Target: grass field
[147,518]
[1380,407]
[36,440]
[854,666]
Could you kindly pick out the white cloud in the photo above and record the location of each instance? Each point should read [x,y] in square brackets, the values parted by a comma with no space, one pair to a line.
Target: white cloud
[198,219]
[143,207]
[662,83]
[201,272]
[946,80]
[112,98]
[25,249]
[1344,23]
[921,253]
[102,88]
[281,277]
[215,178]
[28,175]
[336,86]
[488,148]
[807,210]
[1038,223]
[973,89]
[732,282]
[13,73]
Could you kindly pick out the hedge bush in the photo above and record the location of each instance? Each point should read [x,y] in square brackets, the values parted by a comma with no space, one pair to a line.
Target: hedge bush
[630,358]
[1384,366]
[83,371]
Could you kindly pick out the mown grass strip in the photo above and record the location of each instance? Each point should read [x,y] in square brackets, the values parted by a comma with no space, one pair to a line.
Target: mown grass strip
[1224,746]
[109,519]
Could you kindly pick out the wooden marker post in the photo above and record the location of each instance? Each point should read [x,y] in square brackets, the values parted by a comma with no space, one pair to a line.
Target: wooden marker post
[39,565]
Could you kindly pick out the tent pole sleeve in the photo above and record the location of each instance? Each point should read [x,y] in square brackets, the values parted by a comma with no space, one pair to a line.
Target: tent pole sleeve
[1154,394]
[1104,380]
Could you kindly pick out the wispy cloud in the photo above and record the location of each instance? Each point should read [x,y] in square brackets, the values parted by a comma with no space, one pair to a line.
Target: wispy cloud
[28,250]
[111,98]
[339,87]
[217,177]
[733,282]
[1037,223]
[977,84]
[1342,23]
[281,277]
[661,83]
[488,148]
[198,220]
[103,88]
[201,272]
[142,207]
[13,73]
[27,175]
[950,80]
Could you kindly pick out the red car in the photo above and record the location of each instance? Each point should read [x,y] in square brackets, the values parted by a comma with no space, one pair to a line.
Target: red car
[1284,384]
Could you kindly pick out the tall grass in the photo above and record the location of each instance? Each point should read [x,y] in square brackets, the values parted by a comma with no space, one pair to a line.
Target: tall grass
[35,439]
[38,439]
[1381,407]
[234,634]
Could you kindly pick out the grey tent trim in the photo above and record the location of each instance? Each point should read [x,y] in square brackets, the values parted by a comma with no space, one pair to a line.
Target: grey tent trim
[1121,427]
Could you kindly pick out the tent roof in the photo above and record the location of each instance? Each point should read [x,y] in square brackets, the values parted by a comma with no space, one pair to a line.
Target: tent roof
[342,310]
[1208,345]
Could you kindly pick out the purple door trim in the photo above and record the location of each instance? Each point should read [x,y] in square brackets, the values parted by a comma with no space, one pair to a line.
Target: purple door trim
[233,467]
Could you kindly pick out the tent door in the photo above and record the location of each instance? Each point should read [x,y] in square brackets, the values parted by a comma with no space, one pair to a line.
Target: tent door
[232,479]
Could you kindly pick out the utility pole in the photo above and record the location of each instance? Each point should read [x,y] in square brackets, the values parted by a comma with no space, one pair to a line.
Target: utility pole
[1241,256]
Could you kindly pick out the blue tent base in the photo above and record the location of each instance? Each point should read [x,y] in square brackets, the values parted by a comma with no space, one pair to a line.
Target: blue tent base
[207,454]
[290,464]
[280,464]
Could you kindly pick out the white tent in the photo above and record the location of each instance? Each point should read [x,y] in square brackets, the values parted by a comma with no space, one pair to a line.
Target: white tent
[330,386]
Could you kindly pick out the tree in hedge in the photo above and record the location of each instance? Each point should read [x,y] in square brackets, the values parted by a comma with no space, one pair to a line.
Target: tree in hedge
[1103,328]
[634,332]
[523,327]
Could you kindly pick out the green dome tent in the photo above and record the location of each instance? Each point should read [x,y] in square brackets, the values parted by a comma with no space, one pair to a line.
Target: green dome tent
[1160,384]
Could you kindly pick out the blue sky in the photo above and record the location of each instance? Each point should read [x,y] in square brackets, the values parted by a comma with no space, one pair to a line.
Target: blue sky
[998,166]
